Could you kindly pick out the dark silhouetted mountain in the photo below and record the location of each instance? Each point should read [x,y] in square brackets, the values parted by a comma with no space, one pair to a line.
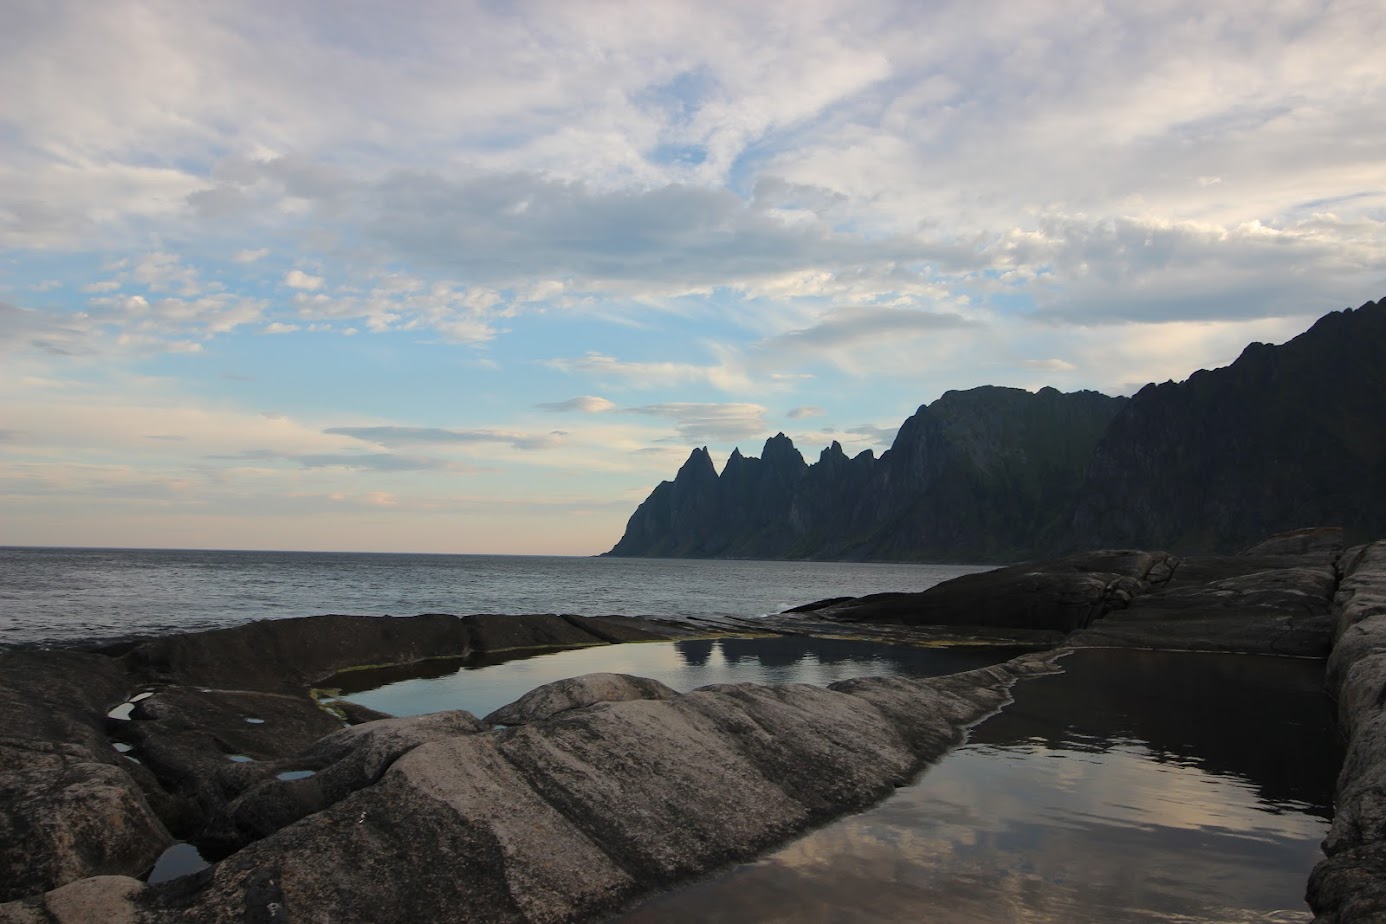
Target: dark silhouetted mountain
[977,473]
[1284,437]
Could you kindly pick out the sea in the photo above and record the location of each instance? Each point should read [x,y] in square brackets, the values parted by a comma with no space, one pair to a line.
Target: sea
[62,596]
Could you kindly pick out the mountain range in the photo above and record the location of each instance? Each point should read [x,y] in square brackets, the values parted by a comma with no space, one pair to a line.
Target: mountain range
[1284,437]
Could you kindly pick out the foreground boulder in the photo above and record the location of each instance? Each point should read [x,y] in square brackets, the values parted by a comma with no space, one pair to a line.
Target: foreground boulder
[199,721]
[71,806]
[575,692]
[1350,884]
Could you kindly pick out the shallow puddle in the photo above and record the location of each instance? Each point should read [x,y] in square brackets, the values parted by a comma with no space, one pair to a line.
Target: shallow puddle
[1135,786]
[175,862]
[481,688]
[290,775]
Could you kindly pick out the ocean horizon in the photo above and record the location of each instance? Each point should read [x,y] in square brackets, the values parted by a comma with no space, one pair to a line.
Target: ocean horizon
[61,595]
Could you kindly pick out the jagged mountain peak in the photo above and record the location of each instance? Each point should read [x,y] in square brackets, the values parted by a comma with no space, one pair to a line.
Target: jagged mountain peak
[699,465]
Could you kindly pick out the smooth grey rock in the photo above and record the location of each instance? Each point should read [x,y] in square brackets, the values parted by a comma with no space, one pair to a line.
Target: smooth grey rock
[107,899]
[567,818]
[69,822]
[1350,884]
[575,692]
[346,760]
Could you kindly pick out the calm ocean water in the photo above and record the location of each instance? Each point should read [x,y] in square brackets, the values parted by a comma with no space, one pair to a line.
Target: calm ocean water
[57,596]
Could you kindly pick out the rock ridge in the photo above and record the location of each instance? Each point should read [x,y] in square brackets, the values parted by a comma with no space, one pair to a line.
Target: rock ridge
[1350,883]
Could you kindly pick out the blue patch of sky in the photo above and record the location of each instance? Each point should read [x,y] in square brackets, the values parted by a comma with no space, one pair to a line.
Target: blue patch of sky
[683,155]
[1011,303]
[390,376]
[680,97]
[25,279]
[1313,205]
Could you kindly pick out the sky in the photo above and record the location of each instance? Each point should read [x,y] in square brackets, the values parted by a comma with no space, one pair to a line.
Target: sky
[475,277]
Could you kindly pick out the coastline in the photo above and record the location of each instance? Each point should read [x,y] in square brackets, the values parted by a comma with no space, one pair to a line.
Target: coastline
[205,685]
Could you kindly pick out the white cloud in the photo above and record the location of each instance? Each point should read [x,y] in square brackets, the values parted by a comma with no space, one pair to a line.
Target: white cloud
[411,436]
[586,404]
[724,375]
[297,279]
[715,423]
[804,411]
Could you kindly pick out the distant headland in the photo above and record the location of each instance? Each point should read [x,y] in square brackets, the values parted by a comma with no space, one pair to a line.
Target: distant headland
[1285,435]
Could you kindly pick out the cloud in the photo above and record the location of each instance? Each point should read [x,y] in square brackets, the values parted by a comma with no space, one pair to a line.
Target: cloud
[1053,364]
[844,327]
[401,302]
[726,375]
[586,404]
[876,436]
[715,423]
[376,462]
[278,327]
[405,436]
[250,256]
[297,279]
[166,272]
[799,413]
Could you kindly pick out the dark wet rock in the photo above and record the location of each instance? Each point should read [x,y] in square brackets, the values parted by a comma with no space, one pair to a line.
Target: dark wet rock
[107,899]
[1058,595]
[1280,611]
[187,737]
[70,805]
[1350,884]
[1274,599]
[1326,541]
[568,817]
[575,692]
[285,655]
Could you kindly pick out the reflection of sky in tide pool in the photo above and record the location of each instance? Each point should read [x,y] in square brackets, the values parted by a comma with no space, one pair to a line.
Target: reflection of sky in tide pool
[683,665]
[1136,786]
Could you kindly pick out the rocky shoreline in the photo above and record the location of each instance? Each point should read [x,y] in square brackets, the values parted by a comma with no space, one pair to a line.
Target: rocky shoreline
[589,793]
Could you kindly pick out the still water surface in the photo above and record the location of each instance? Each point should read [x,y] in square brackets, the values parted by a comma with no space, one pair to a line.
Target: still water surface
[482,688]
[1135,786]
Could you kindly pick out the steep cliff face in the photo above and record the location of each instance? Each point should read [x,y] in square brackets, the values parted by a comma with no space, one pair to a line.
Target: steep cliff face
[680,518]
[986,473]
[1283,437]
